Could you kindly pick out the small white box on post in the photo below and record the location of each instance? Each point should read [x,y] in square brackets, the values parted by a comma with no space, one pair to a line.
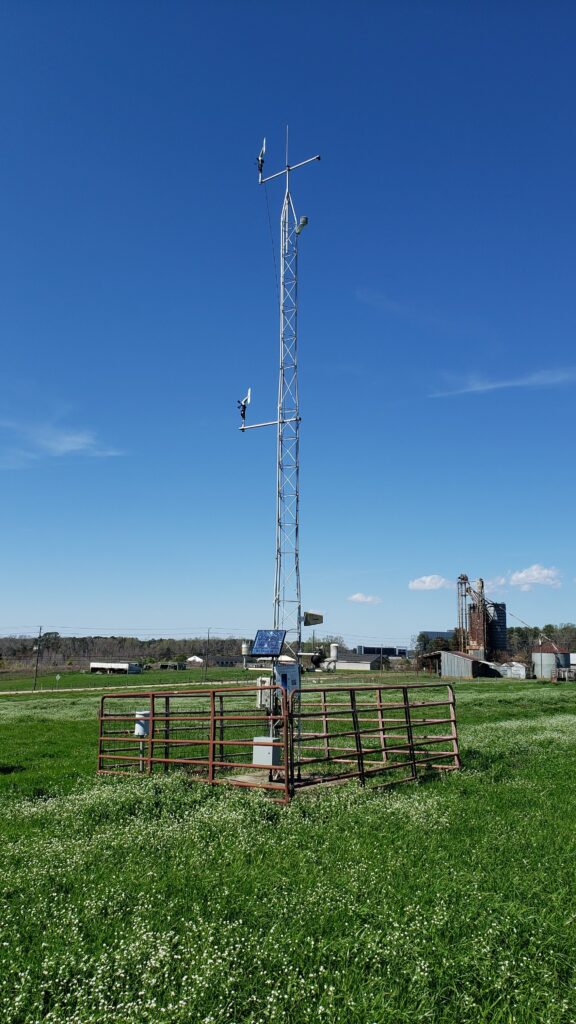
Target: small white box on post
[142,730]
[264,697]
[142,723]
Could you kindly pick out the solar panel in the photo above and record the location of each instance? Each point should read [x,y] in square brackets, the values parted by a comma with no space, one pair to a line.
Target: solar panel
[268,643]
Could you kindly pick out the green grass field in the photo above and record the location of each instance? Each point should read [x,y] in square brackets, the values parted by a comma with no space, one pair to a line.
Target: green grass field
[157,901]
[60,681]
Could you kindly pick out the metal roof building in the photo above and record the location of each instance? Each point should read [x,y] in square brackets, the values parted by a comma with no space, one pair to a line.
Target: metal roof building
[455,665]
[358,662]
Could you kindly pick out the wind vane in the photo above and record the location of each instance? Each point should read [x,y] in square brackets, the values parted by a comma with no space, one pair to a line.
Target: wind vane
[242,403]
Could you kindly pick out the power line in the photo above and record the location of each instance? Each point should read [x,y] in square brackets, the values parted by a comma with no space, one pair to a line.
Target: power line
[184,633]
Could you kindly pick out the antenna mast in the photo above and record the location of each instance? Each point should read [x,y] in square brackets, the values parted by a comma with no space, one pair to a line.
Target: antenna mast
[287,596]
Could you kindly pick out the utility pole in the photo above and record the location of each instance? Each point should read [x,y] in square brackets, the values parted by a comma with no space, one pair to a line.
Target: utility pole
[38,649]
[206,653]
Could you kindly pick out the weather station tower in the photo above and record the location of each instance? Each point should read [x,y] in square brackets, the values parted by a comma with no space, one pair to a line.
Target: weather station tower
[287,594]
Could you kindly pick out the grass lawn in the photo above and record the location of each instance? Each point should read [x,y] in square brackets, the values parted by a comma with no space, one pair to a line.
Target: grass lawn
[157,901]
[62,680]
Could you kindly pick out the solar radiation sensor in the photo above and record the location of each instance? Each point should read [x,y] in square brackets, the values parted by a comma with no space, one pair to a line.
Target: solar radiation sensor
[268,643]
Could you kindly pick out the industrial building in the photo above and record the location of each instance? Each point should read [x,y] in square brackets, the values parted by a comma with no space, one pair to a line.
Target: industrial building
[438,634]
[481,636]
[482,628]
[383,652]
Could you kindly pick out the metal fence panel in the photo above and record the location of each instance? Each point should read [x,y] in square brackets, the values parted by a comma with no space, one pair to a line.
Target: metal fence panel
[257,736]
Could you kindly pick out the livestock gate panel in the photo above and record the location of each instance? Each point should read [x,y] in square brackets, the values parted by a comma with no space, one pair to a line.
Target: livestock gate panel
[211,734]
[257,736]
[362,731]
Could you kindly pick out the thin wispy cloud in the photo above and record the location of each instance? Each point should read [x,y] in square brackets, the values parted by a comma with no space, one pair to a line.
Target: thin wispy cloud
[13,457]
[24,443]
[364,599]
[476,384]
[432,582]
[378,300]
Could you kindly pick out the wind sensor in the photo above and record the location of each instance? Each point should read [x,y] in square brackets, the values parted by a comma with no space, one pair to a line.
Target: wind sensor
[242,403]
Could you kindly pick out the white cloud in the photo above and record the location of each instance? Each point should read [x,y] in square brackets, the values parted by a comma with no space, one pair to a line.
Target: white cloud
[62,442]
[535,575]
[431,583]
[364,599]
[525,579]
[37,440]
[539,379]
[496,583]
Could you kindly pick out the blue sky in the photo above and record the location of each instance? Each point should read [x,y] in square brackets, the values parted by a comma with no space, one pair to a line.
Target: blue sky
[137,303]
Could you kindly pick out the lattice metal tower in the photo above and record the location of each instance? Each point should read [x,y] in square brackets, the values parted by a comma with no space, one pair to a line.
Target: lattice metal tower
[287,596]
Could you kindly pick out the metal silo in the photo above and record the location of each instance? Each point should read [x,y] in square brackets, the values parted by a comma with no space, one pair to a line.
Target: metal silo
[544,664]
[497,632]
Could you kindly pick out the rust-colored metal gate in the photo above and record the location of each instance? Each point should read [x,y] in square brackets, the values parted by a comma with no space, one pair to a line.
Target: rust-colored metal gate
[257,736]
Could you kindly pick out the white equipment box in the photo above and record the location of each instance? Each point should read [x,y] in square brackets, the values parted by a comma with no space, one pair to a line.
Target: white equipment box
[264,698]
[264,754]
[288,676]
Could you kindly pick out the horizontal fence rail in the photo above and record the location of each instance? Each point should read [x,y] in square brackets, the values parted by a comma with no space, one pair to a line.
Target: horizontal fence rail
[259,737]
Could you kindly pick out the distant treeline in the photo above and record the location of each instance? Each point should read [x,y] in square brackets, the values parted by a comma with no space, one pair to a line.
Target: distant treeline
[57,650]
[526,639]
[77,651]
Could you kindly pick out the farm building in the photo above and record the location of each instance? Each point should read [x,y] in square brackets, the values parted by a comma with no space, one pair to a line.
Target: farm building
[547,659]
[225,660]
[111,668]
[455,665]
[513,670]
[358,662]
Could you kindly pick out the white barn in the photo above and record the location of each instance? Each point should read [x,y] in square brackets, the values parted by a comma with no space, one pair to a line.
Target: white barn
[357,662]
